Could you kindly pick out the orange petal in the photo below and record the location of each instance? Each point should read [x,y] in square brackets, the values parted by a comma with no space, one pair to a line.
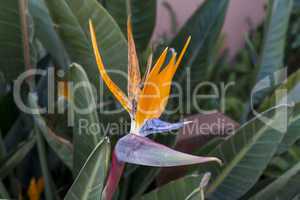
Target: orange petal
[149,64]
[63,90]
[157,88]
[159,63]
[41,184]
[36,189]
[183,51]
[110,84]
[155,94]
[164,82]
[134,75]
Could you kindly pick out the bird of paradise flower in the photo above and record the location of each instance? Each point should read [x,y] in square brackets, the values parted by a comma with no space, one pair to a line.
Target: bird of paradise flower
[146,101]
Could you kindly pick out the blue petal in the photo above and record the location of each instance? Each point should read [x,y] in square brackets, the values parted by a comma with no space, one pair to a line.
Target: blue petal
[158,126]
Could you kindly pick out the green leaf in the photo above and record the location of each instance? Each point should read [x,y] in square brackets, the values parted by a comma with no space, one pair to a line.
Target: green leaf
[246,154]
[13,159]
[297,4]
[2,147]
[291,189]
[143,15]
[292,134]
[143,177]
[271,191]
[204,150]
[259,185]
[3,86]
[175,190]
[71,18]
[62,147]
[45,32]
[272,54]
[49,187]
[296,197]
[290,89]
[90,180]
[296,43]
[11,51]
[3,191]
[204,26]
[209,146]
[198,193]
[86,134]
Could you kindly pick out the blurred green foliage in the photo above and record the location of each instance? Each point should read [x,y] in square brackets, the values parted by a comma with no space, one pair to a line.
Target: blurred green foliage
[258,160]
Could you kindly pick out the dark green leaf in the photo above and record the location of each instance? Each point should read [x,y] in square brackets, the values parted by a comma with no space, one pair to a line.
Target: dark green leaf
[144,176]
[198,193]
[2,147]
[71,18]
[49,189]
[289,89]
[297,4]
[45,32]
[272,54]
[87,136]
[13,159]
[206,149]
[259,185]
[296,43]
[90,180]
[204,26]
[246,154]
[271,191]
[176,190]
[62,147]
[292,134]
[209,146]
[3,191]
[11,51]
[291,189]
[143,15]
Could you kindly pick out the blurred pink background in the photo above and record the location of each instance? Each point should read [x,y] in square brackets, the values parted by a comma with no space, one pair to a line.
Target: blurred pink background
[240,13]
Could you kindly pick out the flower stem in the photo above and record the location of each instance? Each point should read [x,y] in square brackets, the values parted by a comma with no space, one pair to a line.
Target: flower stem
[114,176]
